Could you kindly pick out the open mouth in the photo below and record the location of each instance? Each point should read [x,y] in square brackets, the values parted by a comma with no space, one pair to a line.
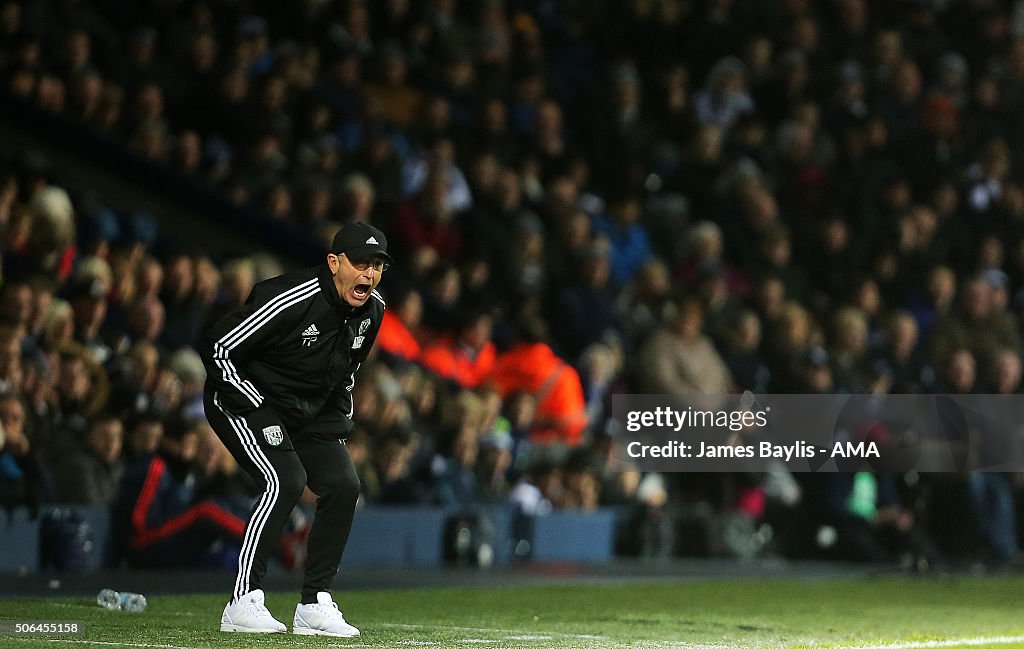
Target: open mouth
[361,290]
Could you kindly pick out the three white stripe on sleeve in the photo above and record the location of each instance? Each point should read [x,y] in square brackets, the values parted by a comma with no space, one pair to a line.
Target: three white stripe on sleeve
[247,327]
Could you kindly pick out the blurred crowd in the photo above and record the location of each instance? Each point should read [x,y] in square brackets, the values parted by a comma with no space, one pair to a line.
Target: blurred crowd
[584,199]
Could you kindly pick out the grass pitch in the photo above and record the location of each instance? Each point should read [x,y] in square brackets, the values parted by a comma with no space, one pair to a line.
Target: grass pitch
[850,613]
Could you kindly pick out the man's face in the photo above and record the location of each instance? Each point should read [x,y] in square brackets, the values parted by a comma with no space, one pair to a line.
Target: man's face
[12,417]
[355,278]
[106,438]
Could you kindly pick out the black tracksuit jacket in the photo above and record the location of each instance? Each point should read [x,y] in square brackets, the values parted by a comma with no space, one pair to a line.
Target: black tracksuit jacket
[290,353]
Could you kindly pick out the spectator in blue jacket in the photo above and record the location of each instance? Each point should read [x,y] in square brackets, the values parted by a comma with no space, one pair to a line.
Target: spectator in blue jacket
[631,247]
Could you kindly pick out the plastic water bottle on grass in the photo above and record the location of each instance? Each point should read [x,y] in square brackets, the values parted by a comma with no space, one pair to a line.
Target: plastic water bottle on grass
[109,598]
[113,600]
[133,602]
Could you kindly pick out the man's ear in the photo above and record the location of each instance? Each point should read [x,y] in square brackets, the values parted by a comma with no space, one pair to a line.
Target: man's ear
[333,262]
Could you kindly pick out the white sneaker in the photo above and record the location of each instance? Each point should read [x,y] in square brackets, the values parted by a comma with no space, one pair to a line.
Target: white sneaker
[249,615]
[322,618]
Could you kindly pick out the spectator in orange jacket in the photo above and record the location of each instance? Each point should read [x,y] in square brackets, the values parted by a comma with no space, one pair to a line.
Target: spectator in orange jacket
[396,336]
[532,366]
[466,358]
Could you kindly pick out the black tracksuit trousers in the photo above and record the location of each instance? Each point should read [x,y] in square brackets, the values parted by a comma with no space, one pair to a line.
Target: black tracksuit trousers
[313,456]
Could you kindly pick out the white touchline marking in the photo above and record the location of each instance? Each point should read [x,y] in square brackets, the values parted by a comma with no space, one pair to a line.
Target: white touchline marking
[577,636]
[116,644]
[908,644]
[520,636]
[164,646]
[688,645]
[936,644]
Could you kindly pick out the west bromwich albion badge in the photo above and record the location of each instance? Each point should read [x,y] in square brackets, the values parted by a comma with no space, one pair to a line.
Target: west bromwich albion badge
[274,435]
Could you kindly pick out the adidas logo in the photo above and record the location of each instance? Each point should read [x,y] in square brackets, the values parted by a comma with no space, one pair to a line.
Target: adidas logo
[311,330]
[373,241]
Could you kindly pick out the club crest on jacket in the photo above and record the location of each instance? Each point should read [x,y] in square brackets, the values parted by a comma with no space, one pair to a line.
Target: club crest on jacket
[274,435]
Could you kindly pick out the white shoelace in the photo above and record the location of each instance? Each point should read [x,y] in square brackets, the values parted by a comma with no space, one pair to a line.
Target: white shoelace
[256,609]
[331,610]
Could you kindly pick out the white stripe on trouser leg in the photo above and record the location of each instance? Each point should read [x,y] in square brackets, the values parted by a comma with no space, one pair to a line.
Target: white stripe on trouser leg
[241,579]
[263,507]
[260,515]
[277,494]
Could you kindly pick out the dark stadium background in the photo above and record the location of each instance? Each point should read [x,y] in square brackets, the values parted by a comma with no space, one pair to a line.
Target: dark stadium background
[584,199]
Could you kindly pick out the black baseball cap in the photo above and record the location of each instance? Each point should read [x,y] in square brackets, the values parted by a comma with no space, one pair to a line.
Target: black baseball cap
[360,240]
